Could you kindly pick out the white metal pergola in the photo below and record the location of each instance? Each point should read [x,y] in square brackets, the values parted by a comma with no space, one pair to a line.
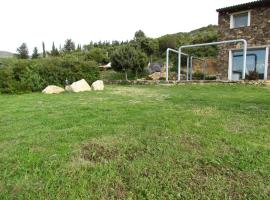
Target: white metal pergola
[180,53]
[191,66]
[189,58]
[168,58]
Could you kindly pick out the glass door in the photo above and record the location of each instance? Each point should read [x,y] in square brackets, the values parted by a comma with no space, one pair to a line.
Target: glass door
[255,64]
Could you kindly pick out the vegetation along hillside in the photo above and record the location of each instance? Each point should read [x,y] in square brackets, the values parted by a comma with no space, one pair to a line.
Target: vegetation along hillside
[31,71]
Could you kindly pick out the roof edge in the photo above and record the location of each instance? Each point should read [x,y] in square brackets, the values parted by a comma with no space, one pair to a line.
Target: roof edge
[249,5]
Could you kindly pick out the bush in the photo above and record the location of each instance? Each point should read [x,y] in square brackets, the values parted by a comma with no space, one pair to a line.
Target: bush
[253,75]
[198,76]
[18,76]
[6,80]
[211,77]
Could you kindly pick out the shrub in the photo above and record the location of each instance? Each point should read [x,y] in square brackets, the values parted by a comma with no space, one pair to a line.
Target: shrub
[6,80]
[126,58]
[253,75]
[198,75]
[34,75]
[211,77]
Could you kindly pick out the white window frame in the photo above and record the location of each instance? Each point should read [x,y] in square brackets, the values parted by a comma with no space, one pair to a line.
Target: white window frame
[237,13]
[250,48]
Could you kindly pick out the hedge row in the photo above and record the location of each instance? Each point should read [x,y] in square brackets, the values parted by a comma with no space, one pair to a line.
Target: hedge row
[18,76]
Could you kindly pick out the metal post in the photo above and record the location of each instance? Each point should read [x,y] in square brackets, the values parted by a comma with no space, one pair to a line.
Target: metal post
[167,64]
[191,66]
[179,64]
[245,59]
[187,66]
[216,43]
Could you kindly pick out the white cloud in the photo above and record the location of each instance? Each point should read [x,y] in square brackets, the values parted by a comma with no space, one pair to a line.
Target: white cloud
[34,21]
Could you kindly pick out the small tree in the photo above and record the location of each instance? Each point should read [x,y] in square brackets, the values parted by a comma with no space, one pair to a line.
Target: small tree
[54,51]
[140,61]
[123,59]
[23,52]
[35,54]
[69,46]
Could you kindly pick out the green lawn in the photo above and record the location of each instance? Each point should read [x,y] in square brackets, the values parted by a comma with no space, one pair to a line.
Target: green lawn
[137,142]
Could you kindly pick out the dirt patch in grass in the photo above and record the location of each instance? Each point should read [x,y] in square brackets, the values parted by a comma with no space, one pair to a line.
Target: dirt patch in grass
[190,142]
[106,149]
[133,152]
[98,153]
[236,184]
[119,190]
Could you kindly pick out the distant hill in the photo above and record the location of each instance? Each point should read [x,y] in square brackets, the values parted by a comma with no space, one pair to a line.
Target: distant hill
[5,54]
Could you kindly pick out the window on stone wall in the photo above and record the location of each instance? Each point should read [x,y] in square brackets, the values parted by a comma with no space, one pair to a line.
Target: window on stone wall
[240,20]
[256,60]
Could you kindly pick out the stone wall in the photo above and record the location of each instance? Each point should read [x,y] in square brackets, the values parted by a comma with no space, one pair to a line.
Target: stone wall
[211,68]
[257,34]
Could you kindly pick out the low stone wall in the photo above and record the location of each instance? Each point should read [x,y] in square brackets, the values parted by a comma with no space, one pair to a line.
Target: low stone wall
[162,82]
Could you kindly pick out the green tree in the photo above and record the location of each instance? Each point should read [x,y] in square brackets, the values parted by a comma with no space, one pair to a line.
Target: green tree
[140,62]
[99,55]
[149,46]
[43,50]
[54,51]
[139,34]
[167,41]
[23,52]
[69,46]
[79,47]
[35,54]
[124,59]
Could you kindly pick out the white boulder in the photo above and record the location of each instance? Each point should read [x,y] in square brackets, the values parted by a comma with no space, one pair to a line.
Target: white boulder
[79,86]
[98,85]
[68,88]
[52,89]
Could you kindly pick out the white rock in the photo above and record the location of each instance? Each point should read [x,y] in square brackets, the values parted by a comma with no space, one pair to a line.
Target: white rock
[52,89]
[79,86]
[98,85]
[68,88]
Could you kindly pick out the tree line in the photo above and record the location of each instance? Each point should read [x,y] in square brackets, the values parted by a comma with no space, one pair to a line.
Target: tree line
[132,55]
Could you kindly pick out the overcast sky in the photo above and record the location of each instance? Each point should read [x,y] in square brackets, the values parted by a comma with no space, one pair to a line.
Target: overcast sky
[34,21]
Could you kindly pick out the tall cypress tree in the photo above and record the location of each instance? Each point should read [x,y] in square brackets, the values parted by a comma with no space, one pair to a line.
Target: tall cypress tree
[35,53]
[54,51]
[79,47]
[44,50]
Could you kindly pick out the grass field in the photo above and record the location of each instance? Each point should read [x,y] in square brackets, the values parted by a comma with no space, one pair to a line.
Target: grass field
[137,142]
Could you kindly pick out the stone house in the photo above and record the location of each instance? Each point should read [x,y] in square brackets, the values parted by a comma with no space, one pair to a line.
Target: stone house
[249,21]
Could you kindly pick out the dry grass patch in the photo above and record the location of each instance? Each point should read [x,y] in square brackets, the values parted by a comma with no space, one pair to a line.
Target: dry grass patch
[205,111]
[236,184]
